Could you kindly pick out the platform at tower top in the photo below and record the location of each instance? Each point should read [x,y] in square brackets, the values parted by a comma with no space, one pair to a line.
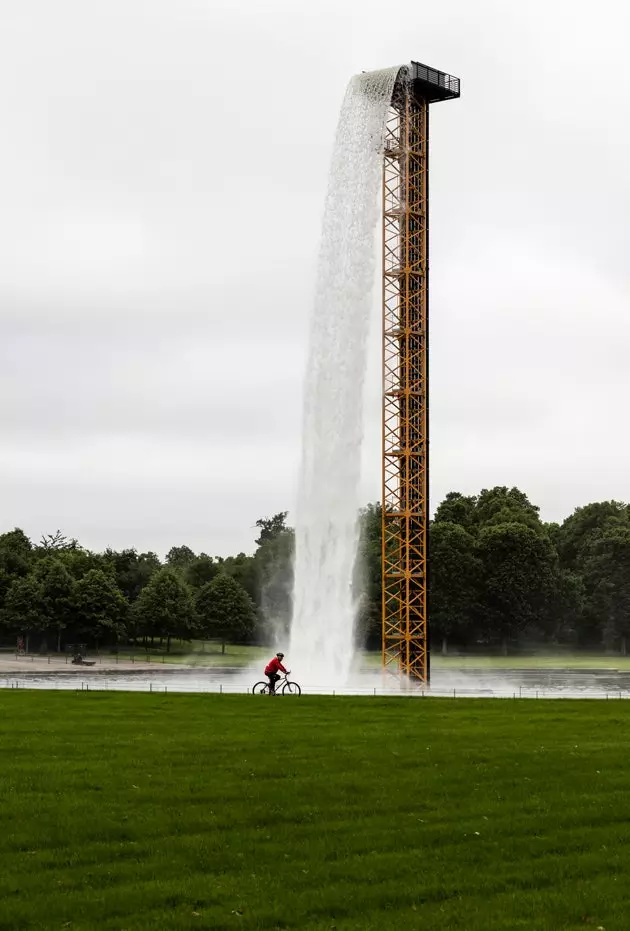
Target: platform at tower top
[433,85]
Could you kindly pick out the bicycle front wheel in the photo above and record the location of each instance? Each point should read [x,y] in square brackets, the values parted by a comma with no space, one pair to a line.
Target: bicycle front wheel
[291,688]
[261,688]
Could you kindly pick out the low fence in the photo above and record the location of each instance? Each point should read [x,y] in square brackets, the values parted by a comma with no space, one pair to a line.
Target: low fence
[65,659]
[124,684]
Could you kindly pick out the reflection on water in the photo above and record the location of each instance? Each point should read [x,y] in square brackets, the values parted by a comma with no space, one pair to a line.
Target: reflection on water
[525,683]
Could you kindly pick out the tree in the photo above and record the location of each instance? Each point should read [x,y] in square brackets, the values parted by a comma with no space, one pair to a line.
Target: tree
[273,581]
[271,527]
[518,570]
[225,611]
[16,556]
[566,610]
[100,606]
[607,582]
[502,505]
[165,608]
[132,570]
[454,580]
[15,544]
[56,588]
[24,611]
[57,541]
[242,568]
[497,505]
[180,557]
[77,560]
[201,571]
[457,509]
[367,577]
[577,534]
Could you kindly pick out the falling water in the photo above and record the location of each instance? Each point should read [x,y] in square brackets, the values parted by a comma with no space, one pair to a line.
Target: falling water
[324,607]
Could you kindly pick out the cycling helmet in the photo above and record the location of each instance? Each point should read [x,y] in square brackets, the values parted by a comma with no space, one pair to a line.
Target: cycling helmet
[280,655]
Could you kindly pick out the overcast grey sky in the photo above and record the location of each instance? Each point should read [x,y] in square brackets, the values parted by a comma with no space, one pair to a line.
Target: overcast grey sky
[162,173]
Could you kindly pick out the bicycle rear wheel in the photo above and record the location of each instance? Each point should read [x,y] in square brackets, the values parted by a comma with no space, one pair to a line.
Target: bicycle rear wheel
[291,688]
[261,688]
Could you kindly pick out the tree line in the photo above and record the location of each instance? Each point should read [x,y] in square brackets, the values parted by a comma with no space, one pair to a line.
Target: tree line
[57,593]
[498,576]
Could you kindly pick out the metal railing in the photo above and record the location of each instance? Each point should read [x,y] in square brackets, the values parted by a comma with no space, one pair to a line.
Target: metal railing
[439,78]
[122,684]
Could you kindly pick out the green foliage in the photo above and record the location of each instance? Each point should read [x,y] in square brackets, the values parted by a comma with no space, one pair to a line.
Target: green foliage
[271,527]
[497,573]
[101,608]
[165,607]
[242,569]
[23,607]
[201,571]
[454,580]
[16,556]
[273,567]
[56,542]
[367,578]
[57,593]
[579,531]
[607,581]
[457,509]
[180,557]
[131,570]
[502,505]
[222,812]
[224,610]
[518,567]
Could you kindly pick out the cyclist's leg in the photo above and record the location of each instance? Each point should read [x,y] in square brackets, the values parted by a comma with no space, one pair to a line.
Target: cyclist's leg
[273,678]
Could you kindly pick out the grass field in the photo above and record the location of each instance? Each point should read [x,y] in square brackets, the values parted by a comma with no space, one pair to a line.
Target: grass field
[132,812]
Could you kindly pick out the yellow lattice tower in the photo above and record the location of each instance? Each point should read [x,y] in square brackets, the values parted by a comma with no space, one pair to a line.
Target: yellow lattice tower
[405,368]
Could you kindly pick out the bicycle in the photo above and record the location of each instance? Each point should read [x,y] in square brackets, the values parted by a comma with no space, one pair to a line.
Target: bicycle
[288,688]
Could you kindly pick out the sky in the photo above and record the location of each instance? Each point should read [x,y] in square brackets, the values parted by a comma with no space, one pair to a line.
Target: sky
[162,174]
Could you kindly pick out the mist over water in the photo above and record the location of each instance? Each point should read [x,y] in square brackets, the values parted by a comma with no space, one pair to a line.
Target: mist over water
[322,644]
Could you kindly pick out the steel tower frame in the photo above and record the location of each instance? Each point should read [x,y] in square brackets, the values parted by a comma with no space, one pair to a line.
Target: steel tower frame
[405,500]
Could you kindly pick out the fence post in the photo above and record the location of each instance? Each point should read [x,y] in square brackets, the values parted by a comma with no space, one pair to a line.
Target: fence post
[220,688]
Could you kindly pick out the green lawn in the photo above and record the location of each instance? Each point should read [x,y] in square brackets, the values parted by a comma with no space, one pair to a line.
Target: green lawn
[139,811]
[198,653]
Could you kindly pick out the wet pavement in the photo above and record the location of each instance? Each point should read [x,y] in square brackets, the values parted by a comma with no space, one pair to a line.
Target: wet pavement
[454,683]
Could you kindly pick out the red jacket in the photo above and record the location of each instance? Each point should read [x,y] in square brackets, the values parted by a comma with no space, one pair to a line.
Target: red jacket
[274,666]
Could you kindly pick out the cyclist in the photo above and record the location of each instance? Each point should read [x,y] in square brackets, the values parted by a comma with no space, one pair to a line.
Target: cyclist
[271,671]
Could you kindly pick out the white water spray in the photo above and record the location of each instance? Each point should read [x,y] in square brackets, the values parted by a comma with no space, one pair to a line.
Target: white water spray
[324,608]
